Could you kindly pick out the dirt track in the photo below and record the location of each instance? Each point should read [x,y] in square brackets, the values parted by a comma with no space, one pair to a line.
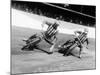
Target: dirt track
[37,61]
[41,62]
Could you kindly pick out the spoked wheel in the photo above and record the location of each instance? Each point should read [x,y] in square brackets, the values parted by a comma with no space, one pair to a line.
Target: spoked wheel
[30,46]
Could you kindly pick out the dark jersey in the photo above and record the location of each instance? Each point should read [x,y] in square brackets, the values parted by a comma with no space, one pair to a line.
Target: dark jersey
[51,30]
[82,38]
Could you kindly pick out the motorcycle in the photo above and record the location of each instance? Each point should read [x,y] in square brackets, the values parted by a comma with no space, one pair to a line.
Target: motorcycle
[31,43]
[70,45]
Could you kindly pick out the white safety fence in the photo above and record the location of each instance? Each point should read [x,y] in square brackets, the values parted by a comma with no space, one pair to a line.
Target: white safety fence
[28,20]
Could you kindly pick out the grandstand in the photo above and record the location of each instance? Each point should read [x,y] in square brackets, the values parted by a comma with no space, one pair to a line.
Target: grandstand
[79,14]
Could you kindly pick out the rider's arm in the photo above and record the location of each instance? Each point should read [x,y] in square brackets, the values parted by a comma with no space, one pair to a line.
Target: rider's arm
[87,41]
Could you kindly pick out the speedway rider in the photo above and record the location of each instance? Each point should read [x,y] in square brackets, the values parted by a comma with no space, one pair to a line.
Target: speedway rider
[50,34]
[77,33]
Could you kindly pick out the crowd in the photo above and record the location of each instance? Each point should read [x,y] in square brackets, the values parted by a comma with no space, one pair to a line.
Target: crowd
[39,11]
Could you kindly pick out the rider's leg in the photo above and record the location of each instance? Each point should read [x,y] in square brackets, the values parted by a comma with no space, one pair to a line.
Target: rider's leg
[81,48]
[52,47]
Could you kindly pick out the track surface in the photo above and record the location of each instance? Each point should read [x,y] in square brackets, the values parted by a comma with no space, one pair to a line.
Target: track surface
[38,61]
